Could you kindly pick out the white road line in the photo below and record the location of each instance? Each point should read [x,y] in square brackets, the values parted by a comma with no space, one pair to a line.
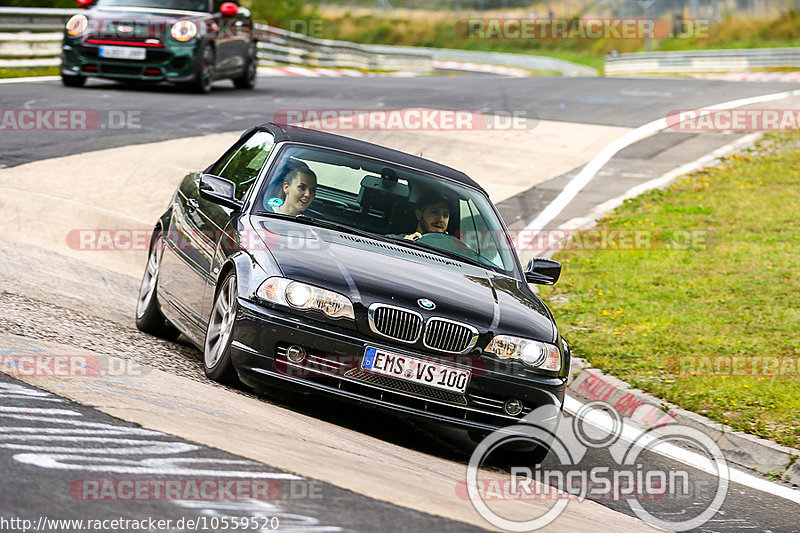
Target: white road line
[302,72]
[606,207]
[37,411]
[593,167]
[30,79]
[631,434]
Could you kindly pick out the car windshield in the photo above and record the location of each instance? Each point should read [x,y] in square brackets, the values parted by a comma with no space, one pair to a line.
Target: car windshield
[181,5]
[410,207]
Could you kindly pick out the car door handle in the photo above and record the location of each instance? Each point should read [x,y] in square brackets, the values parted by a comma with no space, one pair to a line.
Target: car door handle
[193,204]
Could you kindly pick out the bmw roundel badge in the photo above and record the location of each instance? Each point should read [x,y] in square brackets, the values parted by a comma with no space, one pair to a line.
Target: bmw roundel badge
[426,304]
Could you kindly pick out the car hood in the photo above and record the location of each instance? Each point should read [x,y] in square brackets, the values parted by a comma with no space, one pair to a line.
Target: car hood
[371,271]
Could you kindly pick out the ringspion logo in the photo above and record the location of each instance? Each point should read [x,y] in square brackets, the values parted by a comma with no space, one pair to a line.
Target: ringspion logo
[628,475]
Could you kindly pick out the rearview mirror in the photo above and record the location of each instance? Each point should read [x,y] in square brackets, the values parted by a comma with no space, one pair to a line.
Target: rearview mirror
[220,191]
[542,271]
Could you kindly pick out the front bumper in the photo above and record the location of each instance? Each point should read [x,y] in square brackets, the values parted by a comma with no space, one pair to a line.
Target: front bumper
[167,63]
[258,352]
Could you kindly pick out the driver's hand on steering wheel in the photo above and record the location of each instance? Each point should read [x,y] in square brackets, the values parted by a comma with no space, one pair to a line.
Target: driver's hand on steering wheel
[414,236]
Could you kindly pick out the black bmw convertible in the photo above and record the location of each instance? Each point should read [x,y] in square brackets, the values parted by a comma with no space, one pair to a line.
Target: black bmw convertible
[324,264]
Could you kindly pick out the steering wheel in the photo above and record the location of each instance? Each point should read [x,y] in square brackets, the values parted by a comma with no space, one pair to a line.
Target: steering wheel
[445,241]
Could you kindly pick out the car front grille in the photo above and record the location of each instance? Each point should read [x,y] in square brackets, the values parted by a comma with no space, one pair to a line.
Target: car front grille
[404,386]
[153,55]
[396,323]
[343,374]
[122,69]
[449,336]
[406,326]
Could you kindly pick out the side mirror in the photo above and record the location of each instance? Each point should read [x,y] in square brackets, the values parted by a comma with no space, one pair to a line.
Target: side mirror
[219,191]
[229,9]
[542,271]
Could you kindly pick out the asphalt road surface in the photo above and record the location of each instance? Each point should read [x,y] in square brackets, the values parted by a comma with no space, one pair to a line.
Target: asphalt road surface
[166,112]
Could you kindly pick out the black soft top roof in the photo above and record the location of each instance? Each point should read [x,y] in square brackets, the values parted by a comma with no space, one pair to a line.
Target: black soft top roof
[338,142]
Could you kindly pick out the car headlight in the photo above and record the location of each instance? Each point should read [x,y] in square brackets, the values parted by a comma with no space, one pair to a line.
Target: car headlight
[283,291]
[183,31]
[77,25]
[533,353]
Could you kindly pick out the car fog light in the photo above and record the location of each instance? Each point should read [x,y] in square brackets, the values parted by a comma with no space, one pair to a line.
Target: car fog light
[296,353]
[512,407]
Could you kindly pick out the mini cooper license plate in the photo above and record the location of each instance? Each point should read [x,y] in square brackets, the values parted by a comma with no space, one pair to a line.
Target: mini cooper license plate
[416,370]
[122,52]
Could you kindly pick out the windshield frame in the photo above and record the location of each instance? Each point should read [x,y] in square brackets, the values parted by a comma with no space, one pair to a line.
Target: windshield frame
[278,151]
[100,4]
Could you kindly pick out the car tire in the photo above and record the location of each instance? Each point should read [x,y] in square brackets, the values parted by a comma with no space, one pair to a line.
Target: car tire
[73,81]
[530,459]
[149,318]
[219,335]
[248,79]
[204,78]
[528,455]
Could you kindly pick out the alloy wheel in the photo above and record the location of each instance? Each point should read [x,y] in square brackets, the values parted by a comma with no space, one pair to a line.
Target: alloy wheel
[150,279]
[220,324]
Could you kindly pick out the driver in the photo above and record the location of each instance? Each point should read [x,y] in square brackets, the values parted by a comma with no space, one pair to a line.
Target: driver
[432,217]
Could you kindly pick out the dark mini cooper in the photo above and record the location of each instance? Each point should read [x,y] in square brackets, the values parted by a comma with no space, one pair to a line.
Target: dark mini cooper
[193,42]
[325,264]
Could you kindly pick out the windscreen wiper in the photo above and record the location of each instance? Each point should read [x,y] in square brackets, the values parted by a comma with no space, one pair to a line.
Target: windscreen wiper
[439,251]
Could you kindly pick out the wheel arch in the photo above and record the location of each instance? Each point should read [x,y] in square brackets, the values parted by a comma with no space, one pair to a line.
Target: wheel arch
[242,266]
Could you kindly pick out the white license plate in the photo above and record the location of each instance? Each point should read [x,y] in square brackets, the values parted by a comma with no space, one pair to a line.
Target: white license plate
[416,370]
[122,52]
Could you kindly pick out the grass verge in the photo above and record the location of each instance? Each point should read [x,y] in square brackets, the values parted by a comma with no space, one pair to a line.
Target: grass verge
[28,72]
[440,30]
[706,316]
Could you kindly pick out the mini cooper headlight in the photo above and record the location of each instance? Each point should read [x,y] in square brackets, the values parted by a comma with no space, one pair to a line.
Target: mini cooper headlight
[77,25]
[184,30]
[298,295]
[533,353]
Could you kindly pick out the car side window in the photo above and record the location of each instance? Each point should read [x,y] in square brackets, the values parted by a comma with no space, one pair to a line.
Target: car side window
[243,166]
[477,234]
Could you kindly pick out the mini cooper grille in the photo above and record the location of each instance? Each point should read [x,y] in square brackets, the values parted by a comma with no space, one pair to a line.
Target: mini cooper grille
[403,386]
[396,323]
[448,336]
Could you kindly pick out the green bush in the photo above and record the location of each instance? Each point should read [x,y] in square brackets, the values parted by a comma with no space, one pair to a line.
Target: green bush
[39,3]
